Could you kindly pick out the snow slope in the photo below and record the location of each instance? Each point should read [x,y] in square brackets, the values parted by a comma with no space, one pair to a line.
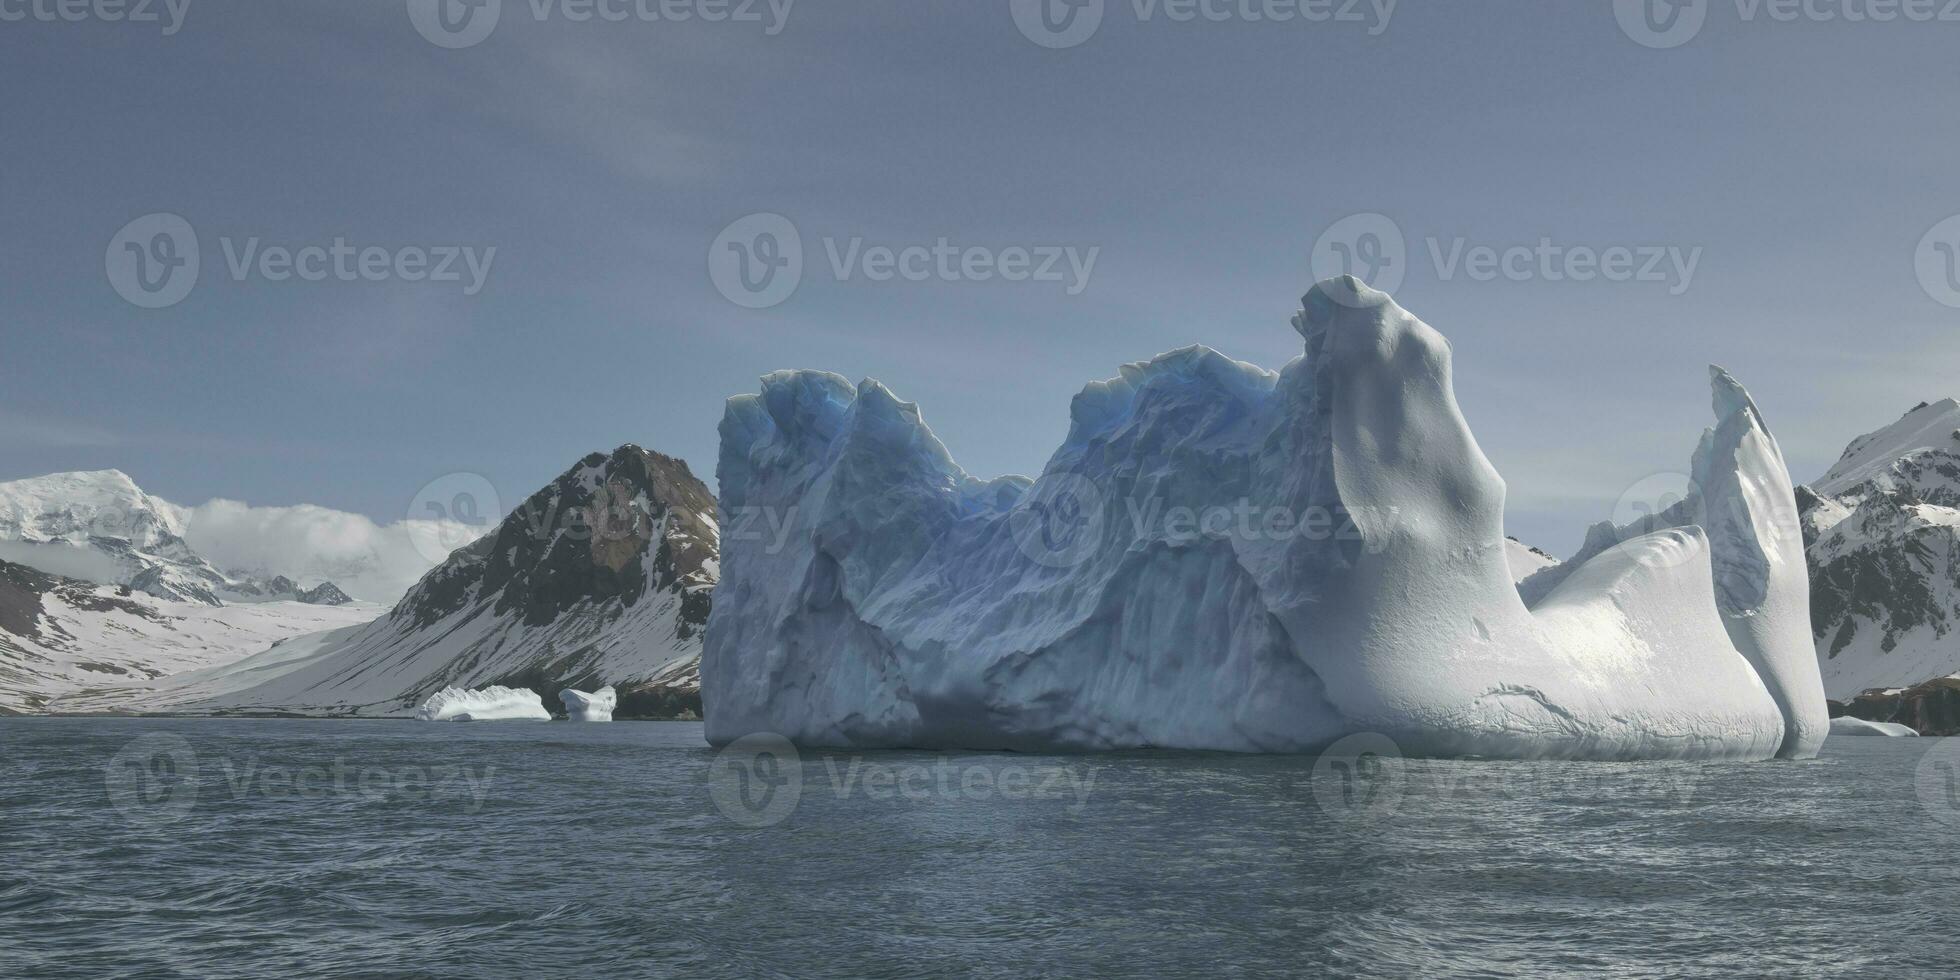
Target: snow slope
[601,578]
[1357,577]
[1883,528]
[1929,427]
[62,637]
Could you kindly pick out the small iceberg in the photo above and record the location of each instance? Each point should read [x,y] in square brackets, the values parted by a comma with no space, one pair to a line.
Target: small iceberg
[489,704]
[1859,726]
[597,706]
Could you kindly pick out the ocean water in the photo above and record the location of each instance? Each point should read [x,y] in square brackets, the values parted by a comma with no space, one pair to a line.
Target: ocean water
[394,849]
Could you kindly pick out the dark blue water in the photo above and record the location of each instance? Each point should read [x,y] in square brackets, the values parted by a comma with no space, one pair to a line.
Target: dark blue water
[292,848]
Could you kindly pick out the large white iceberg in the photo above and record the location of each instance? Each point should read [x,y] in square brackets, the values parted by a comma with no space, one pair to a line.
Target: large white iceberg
[597,706]
[1221,557]
[488,704]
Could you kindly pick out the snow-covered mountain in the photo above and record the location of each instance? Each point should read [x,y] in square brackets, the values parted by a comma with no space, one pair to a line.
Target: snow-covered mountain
[101,527]
[1882,530]
[63,636]
[602,578]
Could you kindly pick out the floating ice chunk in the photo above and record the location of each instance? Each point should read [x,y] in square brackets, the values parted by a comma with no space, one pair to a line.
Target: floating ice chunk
[1859,726]
[597,706]
[1357,578]
[488,704]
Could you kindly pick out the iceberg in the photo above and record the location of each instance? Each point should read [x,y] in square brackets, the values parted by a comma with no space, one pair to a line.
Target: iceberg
[1848,725]
[488,704]
[1221,557]
[597,706]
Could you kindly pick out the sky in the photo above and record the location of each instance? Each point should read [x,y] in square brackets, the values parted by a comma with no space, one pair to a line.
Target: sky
[1784,176]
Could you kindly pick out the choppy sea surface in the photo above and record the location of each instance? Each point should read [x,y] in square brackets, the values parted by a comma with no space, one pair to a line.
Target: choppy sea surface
[205,848]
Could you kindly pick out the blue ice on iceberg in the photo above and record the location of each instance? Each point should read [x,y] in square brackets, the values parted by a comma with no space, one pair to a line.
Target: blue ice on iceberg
[1223,557]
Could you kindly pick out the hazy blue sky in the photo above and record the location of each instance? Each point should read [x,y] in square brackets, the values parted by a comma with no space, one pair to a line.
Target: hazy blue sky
[1805,160]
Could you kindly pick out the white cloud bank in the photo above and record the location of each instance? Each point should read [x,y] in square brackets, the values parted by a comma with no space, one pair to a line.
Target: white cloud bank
[313,544]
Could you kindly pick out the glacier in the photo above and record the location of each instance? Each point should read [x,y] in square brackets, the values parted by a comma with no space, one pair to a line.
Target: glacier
[1221,557]
[488,704]
[597,706]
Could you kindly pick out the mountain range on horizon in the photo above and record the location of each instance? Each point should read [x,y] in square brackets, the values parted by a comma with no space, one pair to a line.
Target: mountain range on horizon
[605,577]
[600,579]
